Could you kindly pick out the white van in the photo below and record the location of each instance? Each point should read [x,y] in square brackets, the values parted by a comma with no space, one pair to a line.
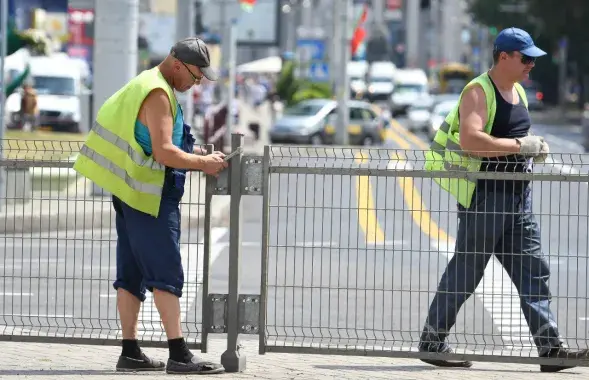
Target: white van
[381,80]
[410,86]
[357,71]
[58,83]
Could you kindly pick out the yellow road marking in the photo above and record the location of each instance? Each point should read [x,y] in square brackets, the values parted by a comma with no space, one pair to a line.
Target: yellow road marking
[419,213]
[366,213]
[409,135]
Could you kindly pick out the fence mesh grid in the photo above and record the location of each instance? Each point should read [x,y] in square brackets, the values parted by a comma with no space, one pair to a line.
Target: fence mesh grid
[359,240]
[58,256]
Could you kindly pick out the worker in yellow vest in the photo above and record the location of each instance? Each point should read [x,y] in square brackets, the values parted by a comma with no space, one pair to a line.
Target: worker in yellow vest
[489,130]
[140,149]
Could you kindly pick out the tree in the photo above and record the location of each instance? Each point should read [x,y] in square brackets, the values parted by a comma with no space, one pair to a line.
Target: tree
[292,90]
[30,39]
[548,21]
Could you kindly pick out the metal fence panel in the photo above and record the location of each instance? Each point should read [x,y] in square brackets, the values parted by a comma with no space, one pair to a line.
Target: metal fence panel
[58,255]
[355,243]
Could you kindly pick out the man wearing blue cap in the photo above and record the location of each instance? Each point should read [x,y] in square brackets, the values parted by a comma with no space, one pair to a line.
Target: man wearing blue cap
[490,128]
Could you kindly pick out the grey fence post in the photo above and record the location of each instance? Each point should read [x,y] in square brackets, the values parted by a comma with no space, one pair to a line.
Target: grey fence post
[265,243]
[206,273]
[232,359]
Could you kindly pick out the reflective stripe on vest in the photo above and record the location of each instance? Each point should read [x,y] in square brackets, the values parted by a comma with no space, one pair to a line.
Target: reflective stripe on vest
[117,170]
[100,160]
[445,152]
[111,157]
[125,147]
[455,148]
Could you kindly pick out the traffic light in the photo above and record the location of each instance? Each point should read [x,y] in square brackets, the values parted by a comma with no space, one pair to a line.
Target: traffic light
[493,30]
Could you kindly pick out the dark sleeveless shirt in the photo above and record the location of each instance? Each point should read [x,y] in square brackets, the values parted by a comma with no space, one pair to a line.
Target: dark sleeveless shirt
[511,121]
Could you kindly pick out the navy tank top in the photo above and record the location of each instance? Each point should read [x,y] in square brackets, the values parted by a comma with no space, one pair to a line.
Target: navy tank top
[511,121]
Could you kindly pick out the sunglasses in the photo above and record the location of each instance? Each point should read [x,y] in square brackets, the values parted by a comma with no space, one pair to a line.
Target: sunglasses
[194,77]
[527,60]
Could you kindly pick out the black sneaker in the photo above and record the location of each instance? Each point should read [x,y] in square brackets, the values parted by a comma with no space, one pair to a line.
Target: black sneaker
[127,364]
[562,353]
[441,362]
[195,366]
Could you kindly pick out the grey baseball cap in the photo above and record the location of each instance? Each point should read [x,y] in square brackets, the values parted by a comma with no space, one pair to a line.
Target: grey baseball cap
[193,51]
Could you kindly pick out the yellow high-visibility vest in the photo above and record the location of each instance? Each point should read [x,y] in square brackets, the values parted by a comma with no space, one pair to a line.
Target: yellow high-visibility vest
[445,153]
[111,156]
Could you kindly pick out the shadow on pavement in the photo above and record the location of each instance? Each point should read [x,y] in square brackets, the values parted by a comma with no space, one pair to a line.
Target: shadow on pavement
[417,368]
[64,372]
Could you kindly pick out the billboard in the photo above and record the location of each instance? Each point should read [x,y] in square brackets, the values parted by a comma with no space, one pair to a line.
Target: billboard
[21,10]
[81,32]
[260,27]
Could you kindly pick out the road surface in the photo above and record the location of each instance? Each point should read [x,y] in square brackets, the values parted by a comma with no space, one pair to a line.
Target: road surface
[353,260]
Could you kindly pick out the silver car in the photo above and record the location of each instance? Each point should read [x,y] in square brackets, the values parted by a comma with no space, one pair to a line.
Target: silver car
[419,113]
[303,123]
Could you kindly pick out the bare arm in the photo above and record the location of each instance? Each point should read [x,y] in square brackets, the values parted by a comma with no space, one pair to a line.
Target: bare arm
[473,118]
[159,120]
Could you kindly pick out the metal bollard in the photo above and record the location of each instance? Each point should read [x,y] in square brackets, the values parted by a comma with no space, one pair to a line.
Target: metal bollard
[232,359]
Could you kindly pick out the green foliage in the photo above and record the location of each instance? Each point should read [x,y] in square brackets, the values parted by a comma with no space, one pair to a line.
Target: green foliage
[293,90]
[33,40]
[548,21]
[17,82]
[287,84]
[311,90]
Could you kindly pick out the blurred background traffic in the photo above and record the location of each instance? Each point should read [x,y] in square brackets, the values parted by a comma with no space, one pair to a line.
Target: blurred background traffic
[295,71]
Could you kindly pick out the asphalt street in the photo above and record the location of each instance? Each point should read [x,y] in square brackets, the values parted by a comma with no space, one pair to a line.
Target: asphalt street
[352,260]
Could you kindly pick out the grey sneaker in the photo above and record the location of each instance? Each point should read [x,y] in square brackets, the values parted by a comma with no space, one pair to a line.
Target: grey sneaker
[126,364]
[195,366]
[444,349]
[563,353]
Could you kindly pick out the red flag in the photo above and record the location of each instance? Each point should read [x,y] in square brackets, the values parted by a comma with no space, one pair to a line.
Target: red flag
[247,5]
[359,31]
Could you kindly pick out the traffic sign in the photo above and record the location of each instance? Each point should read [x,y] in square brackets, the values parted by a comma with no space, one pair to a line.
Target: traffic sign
[311,50]
[319,72]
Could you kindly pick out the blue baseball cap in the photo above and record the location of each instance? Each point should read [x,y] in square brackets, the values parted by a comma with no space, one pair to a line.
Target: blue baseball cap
[515,39]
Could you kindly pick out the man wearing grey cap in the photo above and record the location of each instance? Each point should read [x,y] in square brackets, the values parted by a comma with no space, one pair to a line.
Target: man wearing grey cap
[140,149]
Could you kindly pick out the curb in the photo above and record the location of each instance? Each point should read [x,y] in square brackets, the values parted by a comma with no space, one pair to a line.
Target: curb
[101,217]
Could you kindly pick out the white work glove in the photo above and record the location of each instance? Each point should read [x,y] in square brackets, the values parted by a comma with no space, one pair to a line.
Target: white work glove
[531,146]
[544,151]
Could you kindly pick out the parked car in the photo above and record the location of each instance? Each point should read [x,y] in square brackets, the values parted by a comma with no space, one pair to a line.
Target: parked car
[418,114]
[303,123]
[439,113]
[534,94]
[365,127]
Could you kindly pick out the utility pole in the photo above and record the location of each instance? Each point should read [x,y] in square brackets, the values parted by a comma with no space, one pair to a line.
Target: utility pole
[3,48]
[562,71]
[342,80]
[436,35]
[334,46]
[485,49]
[412,26]
[115,39]
[185,29]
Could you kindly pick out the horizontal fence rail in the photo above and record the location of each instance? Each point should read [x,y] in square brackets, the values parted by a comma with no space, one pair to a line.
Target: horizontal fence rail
[58,252]
[356,242]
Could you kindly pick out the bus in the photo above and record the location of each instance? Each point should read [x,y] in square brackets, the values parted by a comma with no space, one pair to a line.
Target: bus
[450,78]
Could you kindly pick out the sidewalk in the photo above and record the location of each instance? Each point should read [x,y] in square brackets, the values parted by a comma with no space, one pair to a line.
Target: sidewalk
[41,361]
[76,208]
